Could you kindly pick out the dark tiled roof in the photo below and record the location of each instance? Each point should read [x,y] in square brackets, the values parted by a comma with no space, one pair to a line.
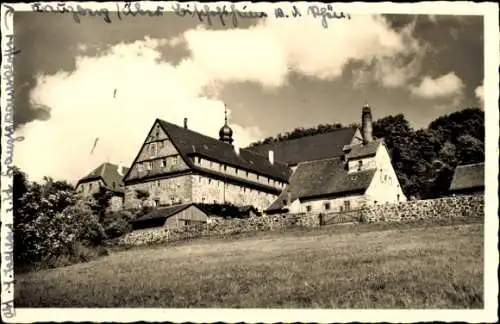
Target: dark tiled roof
[190,143]
[109,174]
[323,178]
[358,151]
[468,176]
[162,212]
[309,148]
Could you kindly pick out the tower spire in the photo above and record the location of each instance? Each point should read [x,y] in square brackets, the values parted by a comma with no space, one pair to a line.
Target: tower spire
[226,133]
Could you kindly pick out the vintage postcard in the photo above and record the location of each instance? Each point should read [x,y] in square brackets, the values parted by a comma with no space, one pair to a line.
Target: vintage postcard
[249,162]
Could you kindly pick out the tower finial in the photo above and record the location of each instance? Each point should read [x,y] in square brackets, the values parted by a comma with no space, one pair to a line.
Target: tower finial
[226,133]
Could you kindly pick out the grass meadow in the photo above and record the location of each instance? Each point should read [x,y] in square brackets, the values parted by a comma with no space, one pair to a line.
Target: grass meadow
[344,266]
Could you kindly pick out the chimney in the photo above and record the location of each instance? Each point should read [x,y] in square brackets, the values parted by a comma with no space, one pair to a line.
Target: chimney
[366,124]
[185,123]
[271,156]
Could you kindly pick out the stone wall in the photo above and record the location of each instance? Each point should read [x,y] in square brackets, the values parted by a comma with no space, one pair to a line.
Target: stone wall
[218,228]
[166,191]
[207,190]
[459,207]
[443,208]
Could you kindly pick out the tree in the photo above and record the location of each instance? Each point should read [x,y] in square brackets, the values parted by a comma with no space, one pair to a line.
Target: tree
[49,219]
[100,202]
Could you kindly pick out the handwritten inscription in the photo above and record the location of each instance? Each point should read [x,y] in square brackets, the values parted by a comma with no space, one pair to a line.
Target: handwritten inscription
[204,13]
[326,13]
[222,13]
[128,9]
[7,171]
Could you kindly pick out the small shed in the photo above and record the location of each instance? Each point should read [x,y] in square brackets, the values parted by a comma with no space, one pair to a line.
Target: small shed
[177,215]
[468,179]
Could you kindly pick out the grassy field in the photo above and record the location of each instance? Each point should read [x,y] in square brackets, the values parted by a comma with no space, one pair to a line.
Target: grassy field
[350,266]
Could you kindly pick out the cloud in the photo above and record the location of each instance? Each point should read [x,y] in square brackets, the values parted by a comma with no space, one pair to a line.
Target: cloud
[83,107]
[479,92]
[441,87]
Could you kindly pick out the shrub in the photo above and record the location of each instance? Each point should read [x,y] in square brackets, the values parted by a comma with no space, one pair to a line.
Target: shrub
[49,219]
[117,224]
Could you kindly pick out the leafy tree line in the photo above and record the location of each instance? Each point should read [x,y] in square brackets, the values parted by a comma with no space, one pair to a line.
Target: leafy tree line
[54,226]
[424,159]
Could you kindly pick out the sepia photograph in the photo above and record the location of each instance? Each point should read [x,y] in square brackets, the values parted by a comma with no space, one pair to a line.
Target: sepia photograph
[283,156]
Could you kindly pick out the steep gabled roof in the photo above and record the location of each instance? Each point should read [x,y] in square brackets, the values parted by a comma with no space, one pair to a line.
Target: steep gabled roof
[320,178]
[309,148]
[190,143]
[108,173]
[468,177]
[359,151]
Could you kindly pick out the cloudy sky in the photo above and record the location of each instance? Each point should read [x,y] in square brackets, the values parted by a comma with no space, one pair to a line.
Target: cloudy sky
[78,82]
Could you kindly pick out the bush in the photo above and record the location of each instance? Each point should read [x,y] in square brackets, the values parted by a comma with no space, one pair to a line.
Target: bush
[117,224]
[49,220]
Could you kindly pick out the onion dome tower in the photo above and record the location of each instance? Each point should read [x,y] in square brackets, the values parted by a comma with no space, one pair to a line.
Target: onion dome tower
[226,133]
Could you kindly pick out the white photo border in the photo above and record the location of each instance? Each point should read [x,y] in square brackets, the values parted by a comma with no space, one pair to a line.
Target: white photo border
[489,10]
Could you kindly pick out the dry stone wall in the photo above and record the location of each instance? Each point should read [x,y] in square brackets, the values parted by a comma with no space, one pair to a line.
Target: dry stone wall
[459,207]
[436,209]
[219,228]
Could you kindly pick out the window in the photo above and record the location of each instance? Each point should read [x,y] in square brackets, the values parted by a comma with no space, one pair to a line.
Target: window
[257,177]
[163,163]
[148,165]
[360,164]
[157,202]
[347,205]
[152,149]
[158,184]
[211,163]
[385,177]
[247,174]
[199,160]
[308,208]
[203,199]
[175,159]
[398,197]
[161,144]
[236,170]
[327,206]
[225,168]
[209,181]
